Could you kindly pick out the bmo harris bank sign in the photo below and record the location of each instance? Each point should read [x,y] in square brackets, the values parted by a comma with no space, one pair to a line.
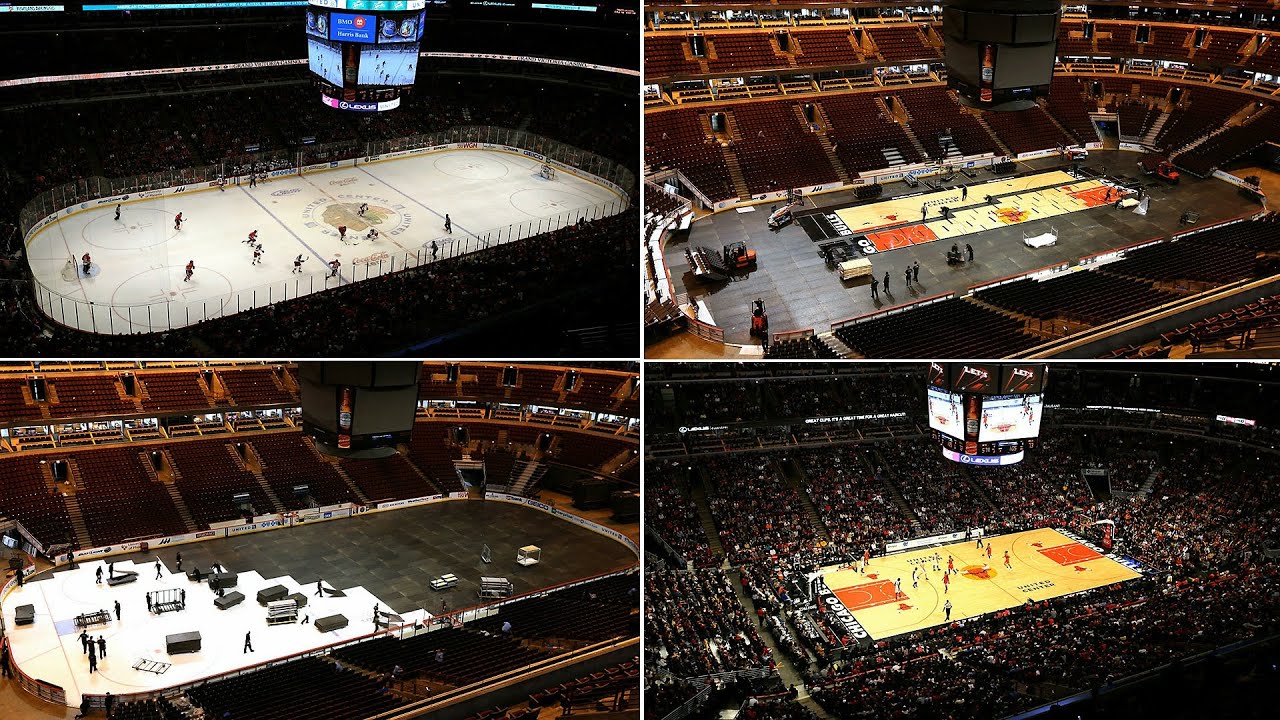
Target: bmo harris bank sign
[352,28]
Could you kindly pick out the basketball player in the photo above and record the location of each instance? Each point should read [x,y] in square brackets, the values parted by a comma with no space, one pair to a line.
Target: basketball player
[191,269]
[988,553]
[897,588]
[951,565]
[946,583]
[915,582]
[1006,560]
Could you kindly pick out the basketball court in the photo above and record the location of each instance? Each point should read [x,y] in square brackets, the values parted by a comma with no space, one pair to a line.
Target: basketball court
[1044,563]
[896,223]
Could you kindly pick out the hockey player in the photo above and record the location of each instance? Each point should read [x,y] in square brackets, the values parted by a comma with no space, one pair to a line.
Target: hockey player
[372,234]
[191,270]
[222,184]
[333,267]
[364,207]
[297,264]
[117,212]
[448,224]
[257,255]
[253,238]
[177,221]
[342,233]
[435,249]
[84,260]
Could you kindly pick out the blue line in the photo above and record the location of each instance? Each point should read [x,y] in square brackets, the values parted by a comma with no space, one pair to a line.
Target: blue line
[414,200]
[291,232]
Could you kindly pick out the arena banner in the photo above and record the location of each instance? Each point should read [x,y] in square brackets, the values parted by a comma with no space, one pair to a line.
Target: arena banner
[1223,175]
[1036,154]
[894,547]
[50,79]
[1133,147]
[408,502]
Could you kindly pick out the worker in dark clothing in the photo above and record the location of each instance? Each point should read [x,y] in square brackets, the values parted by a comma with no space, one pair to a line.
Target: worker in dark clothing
[875,288]
[886,282]
[968,249]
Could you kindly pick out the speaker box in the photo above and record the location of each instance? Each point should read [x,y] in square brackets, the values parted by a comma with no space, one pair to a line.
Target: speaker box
[24,615]
[272,594]
[187,642]
[299,599]
[332,622]
[229,600]
[222,580]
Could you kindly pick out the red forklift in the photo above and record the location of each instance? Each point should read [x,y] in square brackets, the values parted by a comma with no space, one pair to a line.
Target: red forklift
[737,256]
[760,321]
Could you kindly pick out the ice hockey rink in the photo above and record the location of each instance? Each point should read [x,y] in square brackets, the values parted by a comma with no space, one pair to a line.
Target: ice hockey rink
[50,648]
[135,282]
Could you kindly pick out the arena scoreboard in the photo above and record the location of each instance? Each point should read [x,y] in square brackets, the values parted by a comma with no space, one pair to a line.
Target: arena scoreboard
[1000,54]
[364,53]
[350,408]
[985,413]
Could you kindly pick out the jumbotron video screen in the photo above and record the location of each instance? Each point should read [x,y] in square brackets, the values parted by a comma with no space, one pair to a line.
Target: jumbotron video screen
[365,51]
[985,413]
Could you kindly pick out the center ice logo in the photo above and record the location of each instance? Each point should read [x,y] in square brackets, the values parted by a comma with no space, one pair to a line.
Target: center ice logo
[327,214]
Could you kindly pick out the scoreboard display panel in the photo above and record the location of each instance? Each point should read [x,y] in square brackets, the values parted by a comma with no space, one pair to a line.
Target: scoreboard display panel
[974,377]
[388,64]
[939,375]
[376,47]
[325,60]
[1010,417]
[945,412]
